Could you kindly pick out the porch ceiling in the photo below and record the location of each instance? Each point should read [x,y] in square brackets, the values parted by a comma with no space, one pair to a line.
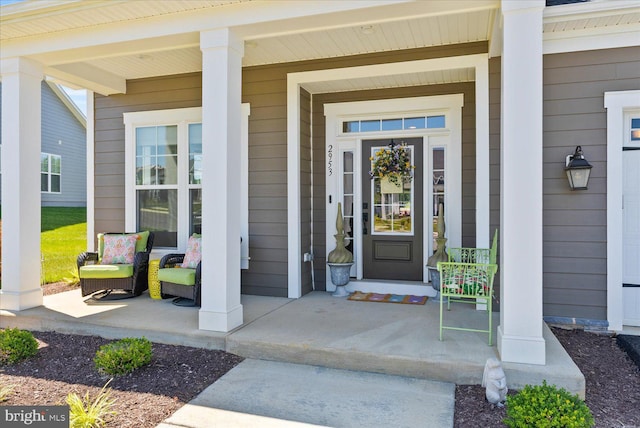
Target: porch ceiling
[101,44]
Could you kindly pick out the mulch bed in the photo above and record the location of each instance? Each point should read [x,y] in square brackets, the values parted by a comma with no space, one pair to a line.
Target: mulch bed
[177,374]
[144,398]
[612,385]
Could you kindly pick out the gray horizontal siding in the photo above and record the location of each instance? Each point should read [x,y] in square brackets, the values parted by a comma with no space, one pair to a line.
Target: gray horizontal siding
[575,229]
[142,95]
[264,87]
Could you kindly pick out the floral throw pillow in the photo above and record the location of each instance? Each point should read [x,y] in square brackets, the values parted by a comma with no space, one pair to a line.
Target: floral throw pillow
[194,252]
[119,249]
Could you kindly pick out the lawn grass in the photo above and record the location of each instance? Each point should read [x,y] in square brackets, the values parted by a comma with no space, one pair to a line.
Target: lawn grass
[63,238]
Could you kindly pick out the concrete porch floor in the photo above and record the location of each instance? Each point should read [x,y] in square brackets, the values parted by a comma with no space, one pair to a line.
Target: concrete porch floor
[318,330]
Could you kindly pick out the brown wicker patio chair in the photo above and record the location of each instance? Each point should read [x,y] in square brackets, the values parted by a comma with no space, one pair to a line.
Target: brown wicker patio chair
[179,274]
[129,279]
[179,282]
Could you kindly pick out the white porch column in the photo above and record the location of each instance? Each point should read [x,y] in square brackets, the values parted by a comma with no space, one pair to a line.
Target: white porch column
[21,99]
[222,53]
[520,332]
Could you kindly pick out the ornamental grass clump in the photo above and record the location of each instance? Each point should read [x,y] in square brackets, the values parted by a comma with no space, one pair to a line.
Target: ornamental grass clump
[546,406]
[123,356]
[16,345]
[5,391]
[84,413]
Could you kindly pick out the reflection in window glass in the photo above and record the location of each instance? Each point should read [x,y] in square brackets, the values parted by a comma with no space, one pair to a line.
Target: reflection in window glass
[157,155]
[55,184]
[437,165]
[392,211]
[195,201]
[635,129]
[158,212]
[195,153]
[414,123]
[353,126]
[348,198]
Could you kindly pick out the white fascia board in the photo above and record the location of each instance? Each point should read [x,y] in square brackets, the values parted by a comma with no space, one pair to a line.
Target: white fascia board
[588,10]
[592,39]
[396,68]
[90,77]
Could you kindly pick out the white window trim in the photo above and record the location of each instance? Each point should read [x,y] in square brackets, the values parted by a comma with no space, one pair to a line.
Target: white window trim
[617,104]
[181,117]
[49,173]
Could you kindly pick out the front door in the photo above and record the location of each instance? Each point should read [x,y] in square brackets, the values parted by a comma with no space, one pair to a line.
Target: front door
[392,219]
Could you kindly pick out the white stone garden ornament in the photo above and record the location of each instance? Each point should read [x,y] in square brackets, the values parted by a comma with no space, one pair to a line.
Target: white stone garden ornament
[495,381]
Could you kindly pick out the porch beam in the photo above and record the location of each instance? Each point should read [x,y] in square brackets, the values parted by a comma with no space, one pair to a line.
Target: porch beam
[21,121]
[521,325]
[222,53]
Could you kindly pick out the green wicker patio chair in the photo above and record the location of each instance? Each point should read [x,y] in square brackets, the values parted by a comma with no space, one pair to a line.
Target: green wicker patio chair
[468,278]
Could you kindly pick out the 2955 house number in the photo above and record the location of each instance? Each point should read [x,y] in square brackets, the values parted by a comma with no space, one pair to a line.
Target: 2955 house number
[330,159]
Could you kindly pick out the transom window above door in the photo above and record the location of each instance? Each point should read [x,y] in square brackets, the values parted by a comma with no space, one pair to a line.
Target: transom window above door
[393,124]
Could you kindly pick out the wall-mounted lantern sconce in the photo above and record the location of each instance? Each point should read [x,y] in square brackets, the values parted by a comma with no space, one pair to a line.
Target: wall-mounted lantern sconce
[578,170]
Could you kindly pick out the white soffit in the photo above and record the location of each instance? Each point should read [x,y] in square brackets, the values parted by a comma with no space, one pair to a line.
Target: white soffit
[64,15]
[420,32]
[159,63]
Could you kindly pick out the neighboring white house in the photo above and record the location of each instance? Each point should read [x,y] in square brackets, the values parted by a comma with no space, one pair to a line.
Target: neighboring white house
[258,117]
[63,157]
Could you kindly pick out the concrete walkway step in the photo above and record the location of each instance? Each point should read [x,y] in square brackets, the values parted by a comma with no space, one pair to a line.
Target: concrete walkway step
[276,394]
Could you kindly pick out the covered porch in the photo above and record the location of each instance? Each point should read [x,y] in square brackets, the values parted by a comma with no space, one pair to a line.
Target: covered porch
[317,329]
[224,52]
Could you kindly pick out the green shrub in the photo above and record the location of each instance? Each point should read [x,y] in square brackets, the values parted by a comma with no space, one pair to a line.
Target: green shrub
[123,356]
[16,345]
[546,406]
[86,414]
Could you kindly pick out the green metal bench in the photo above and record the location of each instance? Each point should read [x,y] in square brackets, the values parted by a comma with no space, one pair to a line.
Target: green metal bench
[468,278]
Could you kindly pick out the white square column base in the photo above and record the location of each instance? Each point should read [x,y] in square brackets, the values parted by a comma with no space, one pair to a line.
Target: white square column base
[20,300]
[520,349]
[220,321]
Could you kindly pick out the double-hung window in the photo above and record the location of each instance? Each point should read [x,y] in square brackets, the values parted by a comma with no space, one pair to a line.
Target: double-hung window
[50,173]
[163,183]
[164,174]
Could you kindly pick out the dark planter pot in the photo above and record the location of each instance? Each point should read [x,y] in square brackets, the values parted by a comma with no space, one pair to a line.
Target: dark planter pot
[434,276]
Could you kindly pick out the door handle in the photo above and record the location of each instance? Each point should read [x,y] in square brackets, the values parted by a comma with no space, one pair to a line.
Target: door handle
[365,219]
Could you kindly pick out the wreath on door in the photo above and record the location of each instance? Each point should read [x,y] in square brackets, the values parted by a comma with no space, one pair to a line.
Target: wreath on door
[393,162]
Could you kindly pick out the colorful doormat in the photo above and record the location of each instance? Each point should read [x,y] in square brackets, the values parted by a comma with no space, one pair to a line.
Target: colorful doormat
[388,298]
